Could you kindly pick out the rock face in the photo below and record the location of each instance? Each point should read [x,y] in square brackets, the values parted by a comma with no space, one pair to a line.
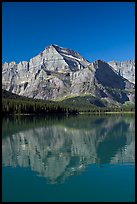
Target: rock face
[125,69]
[59,72]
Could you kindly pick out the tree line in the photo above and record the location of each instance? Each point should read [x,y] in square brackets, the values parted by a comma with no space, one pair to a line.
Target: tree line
[17,106]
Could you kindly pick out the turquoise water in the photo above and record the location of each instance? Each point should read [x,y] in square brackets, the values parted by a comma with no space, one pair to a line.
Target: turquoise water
[83,158]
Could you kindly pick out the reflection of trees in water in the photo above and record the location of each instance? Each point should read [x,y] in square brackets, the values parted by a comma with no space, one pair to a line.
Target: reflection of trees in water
[58,150]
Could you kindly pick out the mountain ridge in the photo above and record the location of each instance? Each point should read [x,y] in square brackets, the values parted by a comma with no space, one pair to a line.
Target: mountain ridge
[58,72]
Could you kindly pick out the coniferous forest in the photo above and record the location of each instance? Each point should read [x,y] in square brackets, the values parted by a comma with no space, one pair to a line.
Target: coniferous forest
[14,104]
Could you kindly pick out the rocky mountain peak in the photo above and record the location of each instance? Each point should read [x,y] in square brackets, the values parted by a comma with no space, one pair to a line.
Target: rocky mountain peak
[55,46]
[97,64]
[68,53]
[59,72]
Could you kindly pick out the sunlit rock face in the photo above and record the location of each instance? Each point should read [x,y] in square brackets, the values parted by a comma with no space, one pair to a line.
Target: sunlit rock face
[125,69]
[59,72]
[59,151]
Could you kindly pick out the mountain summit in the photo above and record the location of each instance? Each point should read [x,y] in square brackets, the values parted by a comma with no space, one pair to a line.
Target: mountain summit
[55,58]
[57,73]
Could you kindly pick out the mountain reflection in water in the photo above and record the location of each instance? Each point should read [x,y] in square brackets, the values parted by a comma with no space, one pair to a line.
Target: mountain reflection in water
[57,148]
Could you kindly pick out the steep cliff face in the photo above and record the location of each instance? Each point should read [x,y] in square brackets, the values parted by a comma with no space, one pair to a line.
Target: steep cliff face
[59,72]
[125,69]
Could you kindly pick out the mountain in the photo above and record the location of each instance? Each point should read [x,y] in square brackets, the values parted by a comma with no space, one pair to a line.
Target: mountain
[125,69]
[58,73]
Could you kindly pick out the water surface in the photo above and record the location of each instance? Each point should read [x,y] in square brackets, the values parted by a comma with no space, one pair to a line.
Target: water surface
[81,158]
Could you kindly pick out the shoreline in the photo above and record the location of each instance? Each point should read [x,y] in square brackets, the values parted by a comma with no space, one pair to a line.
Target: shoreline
[80,113]
[110,112]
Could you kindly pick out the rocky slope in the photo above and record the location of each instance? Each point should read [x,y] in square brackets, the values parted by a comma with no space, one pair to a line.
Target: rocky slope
[59,72]
[125,69]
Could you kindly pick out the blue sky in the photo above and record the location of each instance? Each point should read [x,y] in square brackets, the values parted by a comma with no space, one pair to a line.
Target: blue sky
[97,30]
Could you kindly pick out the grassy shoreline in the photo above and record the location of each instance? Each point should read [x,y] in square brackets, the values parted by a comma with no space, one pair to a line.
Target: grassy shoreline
[80,113]
[109,112]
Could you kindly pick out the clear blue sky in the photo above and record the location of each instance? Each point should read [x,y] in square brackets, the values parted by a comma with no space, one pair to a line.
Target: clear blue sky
[97,30]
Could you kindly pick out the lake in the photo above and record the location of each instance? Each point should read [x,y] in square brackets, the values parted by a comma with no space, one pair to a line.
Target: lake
[74,158]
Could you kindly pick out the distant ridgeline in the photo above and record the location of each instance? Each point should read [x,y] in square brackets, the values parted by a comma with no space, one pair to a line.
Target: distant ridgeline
[60,80]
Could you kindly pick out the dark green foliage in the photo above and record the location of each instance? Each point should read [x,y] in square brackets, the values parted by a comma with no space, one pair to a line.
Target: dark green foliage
[85,102]
[14,104]
[17,106]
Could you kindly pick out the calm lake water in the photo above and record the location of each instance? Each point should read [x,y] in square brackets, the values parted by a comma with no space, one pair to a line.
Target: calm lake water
[81,158]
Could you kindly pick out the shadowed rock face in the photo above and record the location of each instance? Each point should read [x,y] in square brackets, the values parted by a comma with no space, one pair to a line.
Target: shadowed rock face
[58,72]
[106,76]
[125,69]
[59,150]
